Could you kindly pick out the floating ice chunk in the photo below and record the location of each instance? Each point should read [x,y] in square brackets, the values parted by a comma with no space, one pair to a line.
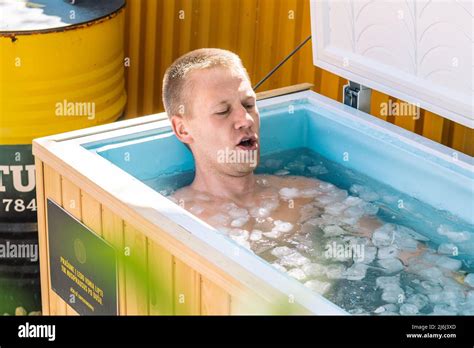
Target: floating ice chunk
[389,307]
[326,186]
[431,273]
[408,309]
[238,235]
[295,166]
[393,294]
[356,272]
[456,237]
[273,163]
[364,192]
[391,265]
[443,309]
[352,201]
[310,193]
[335,271]
[279,267]
[384,282]
[294,259]
[383,236]
[387,252]
[469,280]
[318,169]
[282,226]
[333,231]
[368,255]
[418,300]
[281,251]
[354,212]
[282,172]
[255,235]
[313,269]
[370,209]
[318,286]
[297,273]
[237,212]
[219,220]
[196,209]
[429,287]
[448,249]
[405,232]
[335,208]
[239,222]
[262,182]
[289,192]
[259,212]
[270,204]
[308,211]
[443,261]
[272,234]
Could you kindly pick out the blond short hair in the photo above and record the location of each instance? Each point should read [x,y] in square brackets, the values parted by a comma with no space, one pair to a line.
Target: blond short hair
[176,84]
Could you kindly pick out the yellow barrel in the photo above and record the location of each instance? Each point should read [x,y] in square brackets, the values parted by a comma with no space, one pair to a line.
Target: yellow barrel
[62,66]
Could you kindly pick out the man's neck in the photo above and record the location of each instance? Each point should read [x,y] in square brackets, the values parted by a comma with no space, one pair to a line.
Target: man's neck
[239,189]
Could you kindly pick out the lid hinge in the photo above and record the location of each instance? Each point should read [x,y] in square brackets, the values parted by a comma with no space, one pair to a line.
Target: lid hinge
[357,96]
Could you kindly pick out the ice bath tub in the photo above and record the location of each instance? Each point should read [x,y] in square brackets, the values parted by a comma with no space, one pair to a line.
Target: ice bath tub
[102,177]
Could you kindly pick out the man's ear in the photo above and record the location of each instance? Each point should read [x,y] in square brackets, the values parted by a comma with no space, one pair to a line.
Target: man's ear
[180,129]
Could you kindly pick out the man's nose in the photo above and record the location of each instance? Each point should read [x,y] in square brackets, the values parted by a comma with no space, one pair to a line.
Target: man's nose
[243,118]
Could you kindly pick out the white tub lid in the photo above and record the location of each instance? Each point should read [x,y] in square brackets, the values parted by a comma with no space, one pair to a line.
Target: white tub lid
[419,51]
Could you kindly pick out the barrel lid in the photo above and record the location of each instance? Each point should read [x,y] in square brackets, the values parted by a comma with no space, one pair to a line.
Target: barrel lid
[419,52]
[19,16]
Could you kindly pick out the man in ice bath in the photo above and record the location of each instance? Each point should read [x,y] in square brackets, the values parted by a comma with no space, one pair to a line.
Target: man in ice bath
[212,108]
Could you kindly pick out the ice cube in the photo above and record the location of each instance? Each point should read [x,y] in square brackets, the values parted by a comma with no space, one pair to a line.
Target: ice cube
[273,163]
[406,232]
[383,236]
[368,255]
[297,273]
[335,208]
[354,212]
[279,267]
[237,212]
[281,251]
[289,193]
[295,166]
[443,309]
[310,193]
[318,170]
[318,286]
[418,300]
[281,172]
[387,252]
[356,272]
[255,235]
[273,234]
[384,282]
[370,209]
[469,279]
[454,236]
[389,307]
[259,212]
[313,269]
[393,294]
[239,222]
[219,220]
[239,235]
[391,265]
[333,231]
[443,261]
[282,226]
[408,309]
[326,186]
[335,271]
[196,209]
[448,249]
[294,259]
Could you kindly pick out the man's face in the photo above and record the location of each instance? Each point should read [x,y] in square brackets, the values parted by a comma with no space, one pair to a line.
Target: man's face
[225,122]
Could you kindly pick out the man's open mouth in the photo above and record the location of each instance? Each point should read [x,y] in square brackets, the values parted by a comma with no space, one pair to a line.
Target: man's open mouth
[248,143]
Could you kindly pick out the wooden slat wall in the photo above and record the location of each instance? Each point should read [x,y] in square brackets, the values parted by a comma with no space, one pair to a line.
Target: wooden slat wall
[154,282]
[262,33]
